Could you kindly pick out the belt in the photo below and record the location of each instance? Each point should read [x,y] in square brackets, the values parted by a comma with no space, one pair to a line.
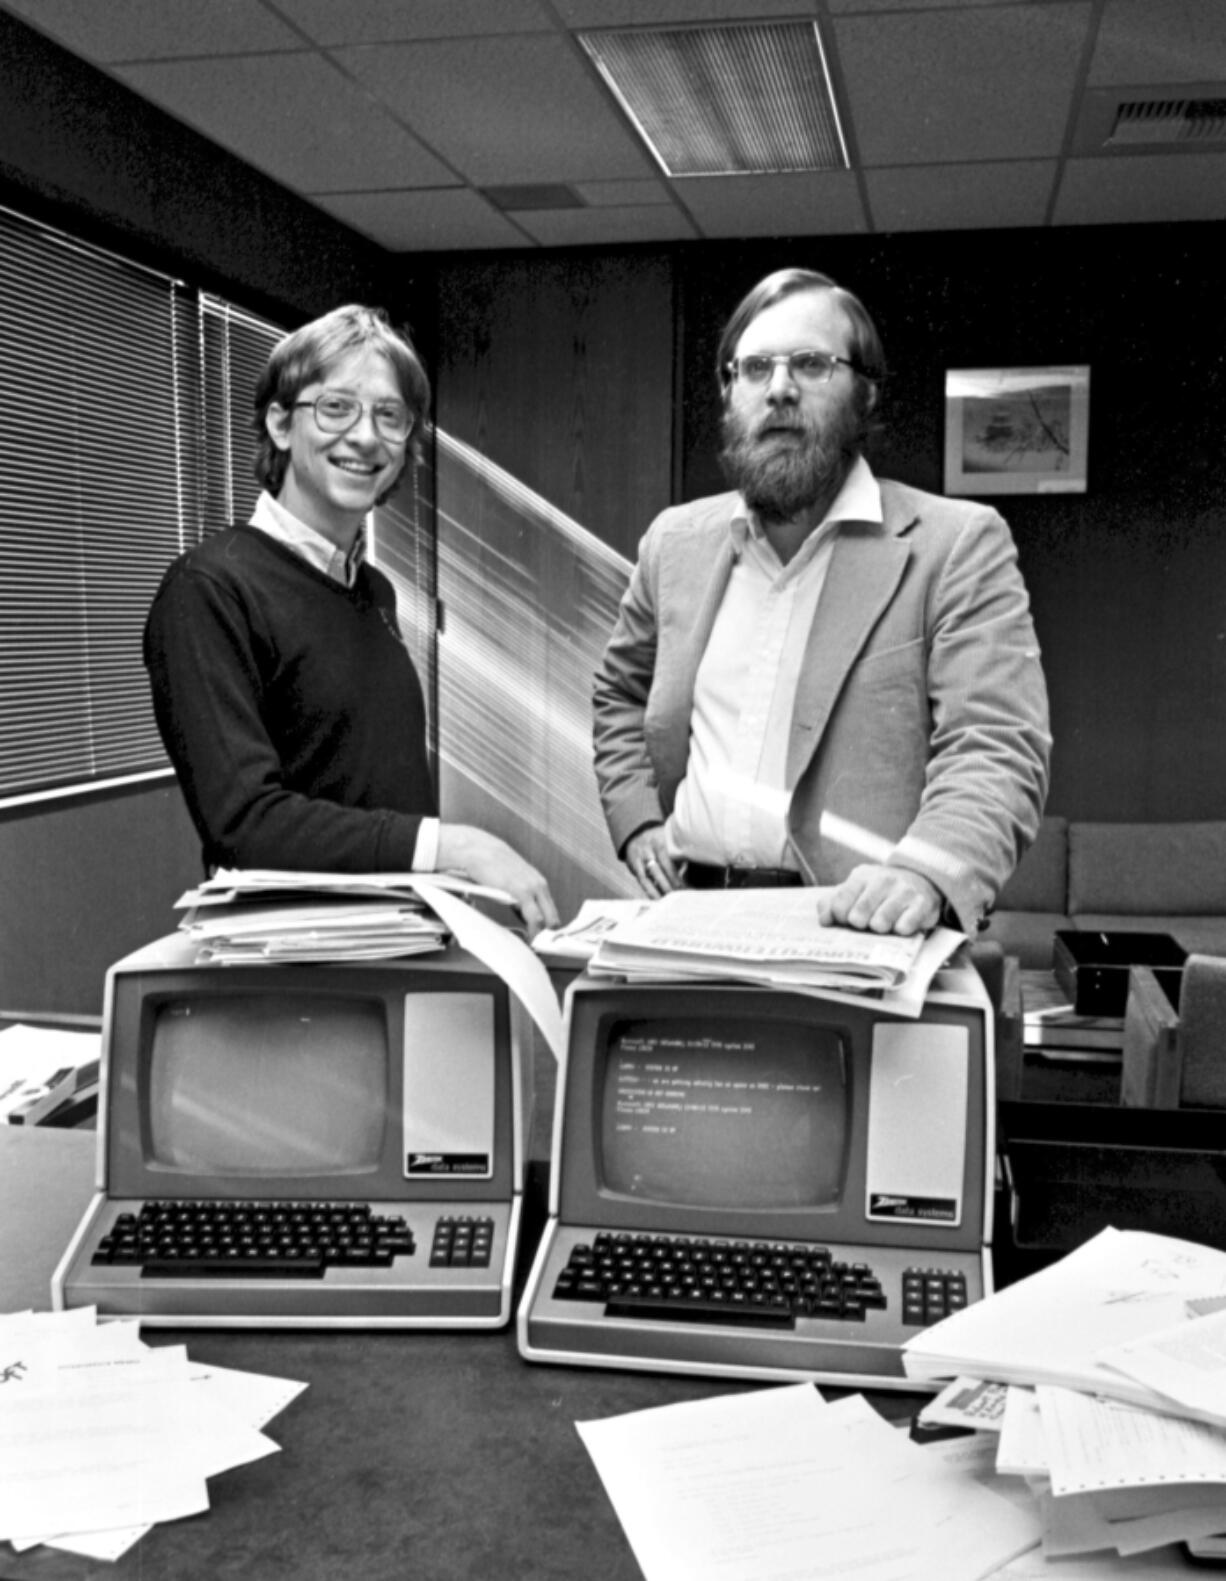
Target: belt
[698,875]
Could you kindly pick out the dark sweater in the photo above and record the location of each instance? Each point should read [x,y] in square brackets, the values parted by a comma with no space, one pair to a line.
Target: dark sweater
[290,709]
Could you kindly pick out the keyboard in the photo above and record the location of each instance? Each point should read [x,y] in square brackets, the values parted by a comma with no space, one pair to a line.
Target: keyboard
[753,1283]
[280,1240]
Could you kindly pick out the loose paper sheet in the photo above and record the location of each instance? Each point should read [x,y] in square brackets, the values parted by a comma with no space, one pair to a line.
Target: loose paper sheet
[1186,1363]
[1100,1445]
[504,953]
[773,1485]
[101,1435]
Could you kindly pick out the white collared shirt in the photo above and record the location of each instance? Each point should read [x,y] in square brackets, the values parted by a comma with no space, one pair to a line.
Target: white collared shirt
[271,517]
[731,807]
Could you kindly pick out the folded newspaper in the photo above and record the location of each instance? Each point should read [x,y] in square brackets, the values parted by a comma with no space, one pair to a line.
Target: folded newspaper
[765,936]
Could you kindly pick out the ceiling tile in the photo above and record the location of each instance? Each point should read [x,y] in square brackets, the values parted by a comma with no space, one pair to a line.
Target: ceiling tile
[961,197]
[157,29]
[960,112]
[937,87]
[1140,42]
[425,221]
[650,13]
[1139,187]
[529,110]
[821,204]
[587,227]
[846,7]
[381,21]
[294,116]
[618,194]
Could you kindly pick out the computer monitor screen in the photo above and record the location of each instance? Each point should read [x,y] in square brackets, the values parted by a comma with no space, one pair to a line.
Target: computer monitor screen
[273,1084]
[725,1112]
[332,1080]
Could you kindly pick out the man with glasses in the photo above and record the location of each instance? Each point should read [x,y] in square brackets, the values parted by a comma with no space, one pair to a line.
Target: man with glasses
[822,677]
[282,686]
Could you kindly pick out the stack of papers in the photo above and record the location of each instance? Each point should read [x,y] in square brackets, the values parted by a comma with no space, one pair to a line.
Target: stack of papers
[1108,1386]
[262,915]
[102,1436]
[258,915]
[772,937]
[42,1068]
[329,931]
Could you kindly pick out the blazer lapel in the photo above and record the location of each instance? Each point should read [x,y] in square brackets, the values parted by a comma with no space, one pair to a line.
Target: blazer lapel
[692,588]
[865,568]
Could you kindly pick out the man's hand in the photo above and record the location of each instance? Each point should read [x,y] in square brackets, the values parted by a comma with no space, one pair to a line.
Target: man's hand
[646,855]
[485,859]
[882,900]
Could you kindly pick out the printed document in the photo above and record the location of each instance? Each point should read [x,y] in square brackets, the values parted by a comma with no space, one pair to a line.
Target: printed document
[1054,1326]
[101,1435]
[1185,1363]
[775,1484]
[771,936]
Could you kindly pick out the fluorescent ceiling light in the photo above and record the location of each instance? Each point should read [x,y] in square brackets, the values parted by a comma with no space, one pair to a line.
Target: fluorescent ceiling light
[725,101]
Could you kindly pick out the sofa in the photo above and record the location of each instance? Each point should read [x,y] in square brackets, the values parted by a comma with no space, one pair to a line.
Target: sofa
[1140,877]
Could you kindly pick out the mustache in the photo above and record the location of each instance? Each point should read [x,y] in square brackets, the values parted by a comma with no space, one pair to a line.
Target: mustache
[783,421]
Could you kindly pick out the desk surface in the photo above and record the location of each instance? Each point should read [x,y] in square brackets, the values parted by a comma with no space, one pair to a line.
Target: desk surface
[411,1456]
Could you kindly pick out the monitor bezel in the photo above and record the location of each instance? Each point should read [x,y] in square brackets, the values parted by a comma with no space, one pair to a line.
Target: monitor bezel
[581,1197]
[134,995]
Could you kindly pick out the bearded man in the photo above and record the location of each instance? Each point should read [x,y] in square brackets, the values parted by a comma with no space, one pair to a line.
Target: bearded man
[821,677]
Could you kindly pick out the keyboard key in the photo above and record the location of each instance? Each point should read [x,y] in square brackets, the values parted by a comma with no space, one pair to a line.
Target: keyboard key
[929,1294]
[700,1309]
[233,1267]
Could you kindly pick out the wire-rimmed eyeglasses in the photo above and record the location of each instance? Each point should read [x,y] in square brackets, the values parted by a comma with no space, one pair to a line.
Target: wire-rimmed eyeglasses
[337,414]
[804,367]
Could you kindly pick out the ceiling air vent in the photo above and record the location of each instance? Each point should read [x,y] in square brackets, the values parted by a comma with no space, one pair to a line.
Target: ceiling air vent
[1169,121]
[721,101]
[1174,120]
[550,195]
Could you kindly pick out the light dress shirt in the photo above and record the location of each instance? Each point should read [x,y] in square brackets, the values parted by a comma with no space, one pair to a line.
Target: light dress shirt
[271,517]
[731,808]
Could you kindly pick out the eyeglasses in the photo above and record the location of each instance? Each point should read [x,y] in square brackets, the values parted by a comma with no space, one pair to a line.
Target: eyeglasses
[337,414]
[804,367]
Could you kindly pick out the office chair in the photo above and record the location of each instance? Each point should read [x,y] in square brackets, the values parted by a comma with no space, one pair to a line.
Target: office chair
[1176,1059]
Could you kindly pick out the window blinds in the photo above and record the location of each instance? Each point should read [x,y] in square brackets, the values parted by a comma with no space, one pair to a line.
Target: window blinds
[124,406]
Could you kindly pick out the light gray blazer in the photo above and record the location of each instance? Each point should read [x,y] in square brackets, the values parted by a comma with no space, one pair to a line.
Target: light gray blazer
[921,712]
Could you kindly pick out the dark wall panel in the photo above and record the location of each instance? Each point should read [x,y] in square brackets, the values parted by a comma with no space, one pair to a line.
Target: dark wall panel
[560,369]
[80,149]
[85,883]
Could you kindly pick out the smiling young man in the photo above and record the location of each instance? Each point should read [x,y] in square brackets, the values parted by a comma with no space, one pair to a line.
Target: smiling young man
[822,677]
[282,686]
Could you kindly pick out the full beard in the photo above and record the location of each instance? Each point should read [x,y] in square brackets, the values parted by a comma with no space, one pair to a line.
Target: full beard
[781,477]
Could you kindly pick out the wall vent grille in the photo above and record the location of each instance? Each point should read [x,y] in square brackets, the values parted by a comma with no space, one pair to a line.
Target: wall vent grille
[1185,118]
[1169,121]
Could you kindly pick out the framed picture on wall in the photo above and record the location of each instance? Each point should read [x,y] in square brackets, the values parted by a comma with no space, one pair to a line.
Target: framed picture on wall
[1016,430]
